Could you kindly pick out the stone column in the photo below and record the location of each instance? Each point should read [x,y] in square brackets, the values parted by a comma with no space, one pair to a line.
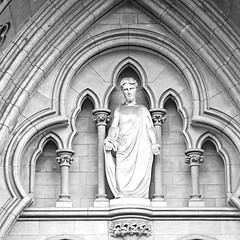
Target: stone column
[65,159]
[101,117]
[194,157]
[158,117]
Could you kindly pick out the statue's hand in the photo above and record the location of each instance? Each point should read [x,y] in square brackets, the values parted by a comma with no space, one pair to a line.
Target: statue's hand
[110,144]
[156,149]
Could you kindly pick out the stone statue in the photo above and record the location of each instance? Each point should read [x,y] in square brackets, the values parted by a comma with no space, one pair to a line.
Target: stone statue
[129,146]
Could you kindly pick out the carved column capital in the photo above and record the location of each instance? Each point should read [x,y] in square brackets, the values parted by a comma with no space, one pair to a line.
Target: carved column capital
[194,157]
[64,157]
[101,116]
[158,116]
[125,229]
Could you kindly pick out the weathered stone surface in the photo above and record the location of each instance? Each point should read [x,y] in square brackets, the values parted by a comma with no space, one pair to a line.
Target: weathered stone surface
[66,62]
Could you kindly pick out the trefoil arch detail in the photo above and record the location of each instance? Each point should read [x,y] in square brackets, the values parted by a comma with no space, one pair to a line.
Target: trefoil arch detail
[224,155]
[32,164]
[173,95]
[85,94]
[139,70]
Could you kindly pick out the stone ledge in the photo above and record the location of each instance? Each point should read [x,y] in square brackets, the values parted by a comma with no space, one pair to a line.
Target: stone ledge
[113,213]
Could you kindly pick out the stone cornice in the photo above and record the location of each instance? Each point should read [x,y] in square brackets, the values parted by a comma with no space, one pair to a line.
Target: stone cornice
[144,213]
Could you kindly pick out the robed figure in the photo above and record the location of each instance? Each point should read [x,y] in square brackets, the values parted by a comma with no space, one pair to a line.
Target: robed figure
[129,146]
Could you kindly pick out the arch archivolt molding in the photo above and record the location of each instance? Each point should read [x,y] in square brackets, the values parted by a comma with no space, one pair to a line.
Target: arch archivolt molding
[154,7]
[37,125]
[106,41]
[46,121]
[170,50]
[22,138]
[166,48]
[146,40]
[197,237]
[149,40]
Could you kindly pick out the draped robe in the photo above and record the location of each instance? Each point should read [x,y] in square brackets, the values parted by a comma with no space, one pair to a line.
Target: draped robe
[129,172]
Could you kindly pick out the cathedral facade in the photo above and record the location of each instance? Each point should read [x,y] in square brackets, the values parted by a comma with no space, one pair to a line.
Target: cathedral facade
[59,86]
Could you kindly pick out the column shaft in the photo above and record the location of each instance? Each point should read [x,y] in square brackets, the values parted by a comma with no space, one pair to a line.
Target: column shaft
[158,174]
[64,159]
[158,116]
[194,158]
[101,117]
[101,169]
[195,181]
[65,181]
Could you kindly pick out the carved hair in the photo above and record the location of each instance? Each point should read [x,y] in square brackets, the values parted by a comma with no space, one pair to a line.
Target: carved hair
[128,80]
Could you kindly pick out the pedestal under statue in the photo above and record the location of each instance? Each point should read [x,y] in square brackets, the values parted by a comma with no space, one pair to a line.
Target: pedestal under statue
[129,147]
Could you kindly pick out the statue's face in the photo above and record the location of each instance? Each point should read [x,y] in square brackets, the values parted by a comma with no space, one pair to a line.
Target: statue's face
[129,92]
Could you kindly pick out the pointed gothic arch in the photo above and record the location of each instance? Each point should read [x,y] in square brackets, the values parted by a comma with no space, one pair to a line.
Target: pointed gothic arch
[149,42]
[223,154]
[86,94]
[23,66]
[154,8]
[121,66]
[172,94]
[45,139]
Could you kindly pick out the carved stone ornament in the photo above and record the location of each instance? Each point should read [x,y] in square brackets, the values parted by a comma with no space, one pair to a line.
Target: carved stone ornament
[101,116]
[65,160]
[130,229]
[158,119]
[194,157]
[158,116]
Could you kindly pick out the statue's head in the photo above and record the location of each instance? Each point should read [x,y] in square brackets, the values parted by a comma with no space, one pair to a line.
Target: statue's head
[129,88]
[128,80]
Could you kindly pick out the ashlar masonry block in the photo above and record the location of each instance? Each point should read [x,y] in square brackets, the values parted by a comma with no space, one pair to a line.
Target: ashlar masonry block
[174,227]
[86,227]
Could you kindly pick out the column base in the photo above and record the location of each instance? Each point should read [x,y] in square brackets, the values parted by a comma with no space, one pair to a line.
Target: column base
[196,202]
[130,201]
[101,201]
[64,201]
[63,204]
[159,202]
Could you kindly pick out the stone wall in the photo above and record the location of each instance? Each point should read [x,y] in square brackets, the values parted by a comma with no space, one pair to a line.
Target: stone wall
[47,178]
[83,173]
[176,173]
[161,230]
[67,62]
